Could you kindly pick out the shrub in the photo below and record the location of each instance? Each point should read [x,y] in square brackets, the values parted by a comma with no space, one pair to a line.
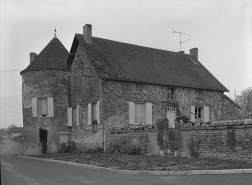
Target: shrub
[124,145]
[67,147]
[95,150]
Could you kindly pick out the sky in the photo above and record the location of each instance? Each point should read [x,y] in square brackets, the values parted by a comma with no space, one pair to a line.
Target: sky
[220,29]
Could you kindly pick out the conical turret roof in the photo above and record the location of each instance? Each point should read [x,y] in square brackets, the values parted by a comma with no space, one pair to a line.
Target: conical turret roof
[53,57]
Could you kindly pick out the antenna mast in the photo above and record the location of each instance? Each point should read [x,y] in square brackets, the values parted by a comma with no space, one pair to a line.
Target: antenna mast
[180,42]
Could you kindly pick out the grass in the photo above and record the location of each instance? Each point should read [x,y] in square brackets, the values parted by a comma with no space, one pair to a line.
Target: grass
[146,162]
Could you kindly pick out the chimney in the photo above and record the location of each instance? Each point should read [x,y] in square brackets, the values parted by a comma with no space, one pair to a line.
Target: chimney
[32,56]
[87,33]
[194,54]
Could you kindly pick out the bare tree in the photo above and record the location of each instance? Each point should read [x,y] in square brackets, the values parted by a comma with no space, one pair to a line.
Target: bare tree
[245,101]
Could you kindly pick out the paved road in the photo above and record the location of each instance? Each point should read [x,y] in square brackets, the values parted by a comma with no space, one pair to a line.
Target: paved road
[20,171]
[9,146]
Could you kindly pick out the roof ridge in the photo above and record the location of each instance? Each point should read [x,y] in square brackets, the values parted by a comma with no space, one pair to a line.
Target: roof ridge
[158,49]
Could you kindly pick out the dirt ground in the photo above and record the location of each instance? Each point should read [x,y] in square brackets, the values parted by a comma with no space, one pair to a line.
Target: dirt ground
[9,146]
[148,163]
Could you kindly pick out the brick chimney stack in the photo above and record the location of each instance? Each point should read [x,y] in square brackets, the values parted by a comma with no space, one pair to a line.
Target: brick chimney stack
[32,56]
[194,54]
[87,33]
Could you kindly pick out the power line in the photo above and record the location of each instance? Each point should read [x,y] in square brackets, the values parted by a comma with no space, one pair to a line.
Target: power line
[10,97]
[11,111]
[9,70]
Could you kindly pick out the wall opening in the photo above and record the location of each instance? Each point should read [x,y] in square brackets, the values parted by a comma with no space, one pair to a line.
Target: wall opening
[43,139]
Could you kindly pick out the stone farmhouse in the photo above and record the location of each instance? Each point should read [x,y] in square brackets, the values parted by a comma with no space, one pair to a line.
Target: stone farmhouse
[104,84]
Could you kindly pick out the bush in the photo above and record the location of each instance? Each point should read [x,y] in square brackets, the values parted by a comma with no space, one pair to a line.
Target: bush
[95,150]
[124,145]
[67,147]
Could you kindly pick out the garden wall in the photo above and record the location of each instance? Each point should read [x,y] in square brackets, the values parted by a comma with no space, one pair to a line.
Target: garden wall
[225,140]
[151,139]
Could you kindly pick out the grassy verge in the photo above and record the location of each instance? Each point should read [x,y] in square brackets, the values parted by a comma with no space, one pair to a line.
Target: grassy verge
[148,163]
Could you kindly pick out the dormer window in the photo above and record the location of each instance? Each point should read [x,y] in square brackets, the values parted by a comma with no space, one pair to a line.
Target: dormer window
[170,93]
[139,88]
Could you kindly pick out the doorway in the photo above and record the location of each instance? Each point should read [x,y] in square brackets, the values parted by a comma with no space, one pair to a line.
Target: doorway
[43,139]
[171,115]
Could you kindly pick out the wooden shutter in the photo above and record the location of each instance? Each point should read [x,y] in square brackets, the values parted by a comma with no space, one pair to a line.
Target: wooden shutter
[89,113]
[192,115]
[69,117]
[34,107]
[131,113]
[98,113]
[77,115]
[50,107]
[206,114]
[148,113]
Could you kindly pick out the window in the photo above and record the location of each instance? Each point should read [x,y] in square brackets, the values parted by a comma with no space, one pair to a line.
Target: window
[140,113]
[170,93]
[139,88]
[171,108]
[42,107]
[93,113]
[199,112]
[73,117]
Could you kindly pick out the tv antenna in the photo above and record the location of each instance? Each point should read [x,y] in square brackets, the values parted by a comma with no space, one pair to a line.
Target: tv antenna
[180,33]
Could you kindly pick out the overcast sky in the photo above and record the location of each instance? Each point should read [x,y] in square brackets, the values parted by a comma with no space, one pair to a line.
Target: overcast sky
[220,29]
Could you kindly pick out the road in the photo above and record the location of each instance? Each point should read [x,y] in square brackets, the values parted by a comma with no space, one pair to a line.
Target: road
[9,146]
[20,171]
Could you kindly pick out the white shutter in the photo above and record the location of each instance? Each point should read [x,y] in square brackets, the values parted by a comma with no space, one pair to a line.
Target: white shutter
[131,113]
[148,113]
[193,115]
[206,114]
[98,112]
[69,117]
[34,107]
[77,115]
[89,113]
[50,107]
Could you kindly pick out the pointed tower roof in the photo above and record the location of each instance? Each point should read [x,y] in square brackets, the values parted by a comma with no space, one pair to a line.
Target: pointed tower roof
[53,57]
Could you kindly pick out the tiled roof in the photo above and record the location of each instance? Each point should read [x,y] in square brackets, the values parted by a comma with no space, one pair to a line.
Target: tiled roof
[53,57]
[127,62]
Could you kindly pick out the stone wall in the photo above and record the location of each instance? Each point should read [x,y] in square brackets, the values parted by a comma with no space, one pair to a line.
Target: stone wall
[85,89]
[116,96]
[152,147]
[44,84]
[225,139]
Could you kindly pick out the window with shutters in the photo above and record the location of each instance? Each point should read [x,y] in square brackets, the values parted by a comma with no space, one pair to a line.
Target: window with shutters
[42,107]
[94,113]
[140,113]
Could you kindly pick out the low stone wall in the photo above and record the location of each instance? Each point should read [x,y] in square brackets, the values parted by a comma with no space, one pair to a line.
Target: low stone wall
[152,147]
[225,140]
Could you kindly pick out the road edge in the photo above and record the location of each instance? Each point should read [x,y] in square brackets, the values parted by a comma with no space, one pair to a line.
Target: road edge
[184,172]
